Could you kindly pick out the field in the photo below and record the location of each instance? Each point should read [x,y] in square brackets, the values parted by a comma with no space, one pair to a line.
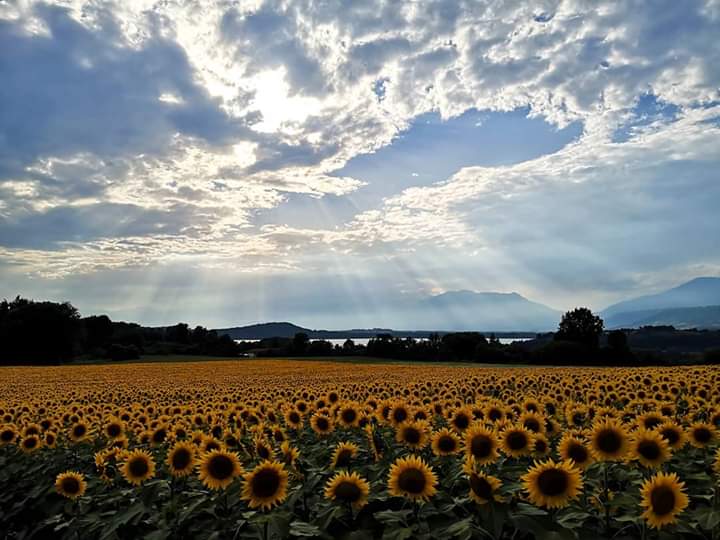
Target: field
[281,448]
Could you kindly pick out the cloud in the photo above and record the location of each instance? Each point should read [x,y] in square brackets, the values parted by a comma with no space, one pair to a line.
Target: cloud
[596,215]
[74,90]
[132,133]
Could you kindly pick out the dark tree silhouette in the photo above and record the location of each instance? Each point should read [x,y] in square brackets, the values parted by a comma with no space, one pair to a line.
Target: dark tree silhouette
[617,340]
[38,332]
[580,326]
[300,342]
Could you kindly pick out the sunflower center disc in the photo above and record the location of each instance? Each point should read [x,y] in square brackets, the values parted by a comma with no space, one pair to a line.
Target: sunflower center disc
[480,487]
[552,482]
[181,459]
[412,481]
[347,491]
[702,435]
[138,467]
[578,453]
[662,500]
[70,485]
[412,436]
[517,440]
[220,467]
[649,450]
[461,421]
[670,435]
[446,444]
[480,446]
[265,483]
[609,441]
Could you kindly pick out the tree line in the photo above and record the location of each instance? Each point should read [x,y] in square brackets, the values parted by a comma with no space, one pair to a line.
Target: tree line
[53,333]
[45,333]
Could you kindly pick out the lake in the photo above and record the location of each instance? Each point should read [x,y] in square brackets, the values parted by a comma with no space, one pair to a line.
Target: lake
[364,341]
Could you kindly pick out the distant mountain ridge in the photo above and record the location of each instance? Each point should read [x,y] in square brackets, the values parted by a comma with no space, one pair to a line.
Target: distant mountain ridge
[469,310]
[694,304]
[506,314]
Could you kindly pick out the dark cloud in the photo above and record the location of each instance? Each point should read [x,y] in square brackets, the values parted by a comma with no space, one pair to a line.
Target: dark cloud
[85,223]
[80,90]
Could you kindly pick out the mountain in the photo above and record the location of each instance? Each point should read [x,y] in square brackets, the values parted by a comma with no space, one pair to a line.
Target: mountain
[506,314]
[487,311]
[698,293]
[707,317]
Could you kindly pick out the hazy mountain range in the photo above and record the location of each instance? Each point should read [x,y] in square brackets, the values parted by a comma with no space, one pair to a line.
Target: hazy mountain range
[695,304]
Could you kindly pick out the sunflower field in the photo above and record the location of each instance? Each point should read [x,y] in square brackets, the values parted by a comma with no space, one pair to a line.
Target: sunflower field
[290,449]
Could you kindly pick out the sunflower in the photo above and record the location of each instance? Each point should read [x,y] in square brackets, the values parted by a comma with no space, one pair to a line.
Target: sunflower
[210,443]
[398,413]
[516,441]
[113,428]
[70,484]
[494,413]
[413,434]
[649,448]
[181,459]
[138,467]
[461,419]
[701,434]
[608,440]
[552,485]
[79,431]
[445,443]
[293,419]
[533,421]
[30,444]
[289,453]
[321,424]
[716,463]
[483,487]
[342,455]
[541,445]
[573,448]
[8,434]
[348,415]
[349,488]
[266,485]
[50,439]
[262,448]
[158,435]
[650,420]
[673,434]
[482,444]
[412,478]
[218,468]
[663,499]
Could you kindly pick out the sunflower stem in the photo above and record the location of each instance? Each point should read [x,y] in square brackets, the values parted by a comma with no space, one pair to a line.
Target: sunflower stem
[606,498]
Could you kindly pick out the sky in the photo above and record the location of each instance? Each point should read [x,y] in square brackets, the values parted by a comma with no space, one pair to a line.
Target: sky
[226,163]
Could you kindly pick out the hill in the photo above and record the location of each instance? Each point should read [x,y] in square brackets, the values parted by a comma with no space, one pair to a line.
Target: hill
[263,330]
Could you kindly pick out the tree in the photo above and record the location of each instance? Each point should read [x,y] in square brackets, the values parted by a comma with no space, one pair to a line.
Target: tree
[98,331]
[349,346]
[300,343]
[617,340]
[38,332]
[580,326]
